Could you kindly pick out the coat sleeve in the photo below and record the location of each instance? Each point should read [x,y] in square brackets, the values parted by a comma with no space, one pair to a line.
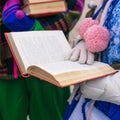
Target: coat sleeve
[104,89]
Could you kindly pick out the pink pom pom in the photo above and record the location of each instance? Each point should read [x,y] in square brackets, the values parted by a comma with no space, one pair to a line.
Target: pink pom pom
[20,14]
[97,38]
[85,24]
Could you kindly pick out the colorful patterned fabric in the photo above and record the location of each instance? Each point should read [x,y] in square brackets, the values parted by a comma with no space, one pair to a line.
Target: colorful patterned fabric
[64,21]
[36,98]
[112,54]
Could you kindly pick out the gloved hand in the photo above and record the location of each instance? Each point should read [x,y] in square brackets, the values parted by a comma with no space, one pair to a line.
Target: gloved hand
[80,53]
[103,89]
[15,19]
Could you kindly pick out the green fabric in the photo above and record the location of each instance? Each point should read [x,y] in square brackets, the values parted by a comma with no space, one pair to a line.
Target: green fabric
[13,100]
[37,26]
[41,100]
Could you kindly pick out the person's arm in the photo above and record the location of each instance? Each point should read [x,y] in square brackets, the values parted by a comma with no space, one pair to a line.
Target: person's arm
[104,89]
[17,20]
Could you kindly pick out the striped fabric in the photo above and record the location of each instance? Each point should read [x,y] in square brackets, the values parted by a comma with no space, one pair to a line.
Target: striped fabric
[63,21]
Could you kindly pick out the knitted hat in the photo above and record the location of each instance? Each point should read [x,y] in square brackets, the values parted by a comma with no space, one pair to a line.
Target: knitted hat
[15,19]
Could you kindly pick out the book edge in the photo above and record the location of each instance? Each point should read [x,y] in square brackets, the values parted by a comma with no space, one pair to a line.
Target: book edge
[7,34]
[27,4]
[72,82]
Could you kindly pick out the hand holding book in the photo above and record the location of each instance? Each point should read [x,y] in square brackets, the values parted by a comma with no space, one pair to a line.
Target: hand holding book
[81,54]
[41,54]
[17,20]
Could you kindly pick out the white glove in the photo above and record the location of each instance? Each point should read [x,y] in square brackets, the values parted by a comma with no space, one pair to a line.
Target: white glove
[81,54]
[104,89]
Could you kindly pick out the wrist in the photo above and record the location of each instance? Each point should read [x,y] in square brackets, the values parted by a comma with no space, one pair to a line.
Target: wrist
[76,40]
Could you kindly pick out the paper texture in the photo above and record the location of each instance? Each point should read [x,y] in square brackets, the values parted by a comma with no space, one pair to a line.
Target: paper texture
[41,47]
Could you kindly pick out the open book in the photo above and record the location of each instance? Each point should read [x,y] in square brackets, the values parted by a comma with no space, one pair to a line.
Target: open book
[41,54]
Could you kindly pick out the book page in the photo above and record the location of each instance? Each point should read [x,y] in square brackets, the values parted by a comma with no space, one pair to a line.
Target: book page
[41,47]
[68,66]
[68,73]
